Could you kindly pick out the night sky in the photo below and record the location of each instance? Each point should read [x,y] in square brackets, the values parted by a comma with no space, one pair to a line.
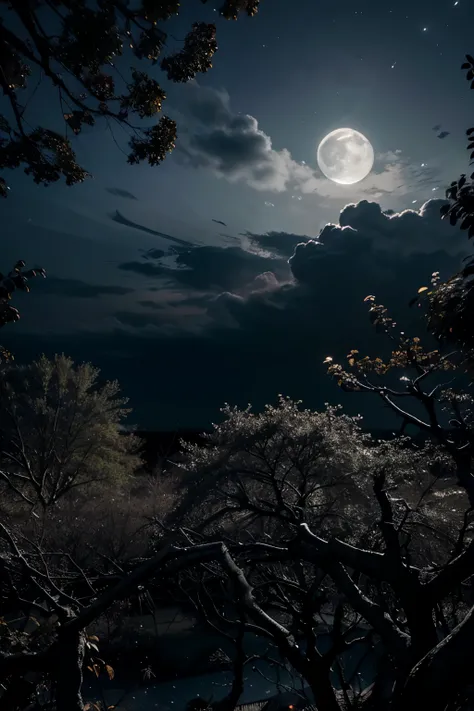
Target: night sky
[185,281]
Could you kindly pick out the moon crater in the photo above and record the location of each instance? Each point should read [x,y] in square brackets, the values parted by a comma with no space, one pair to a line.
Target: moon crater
[345,156]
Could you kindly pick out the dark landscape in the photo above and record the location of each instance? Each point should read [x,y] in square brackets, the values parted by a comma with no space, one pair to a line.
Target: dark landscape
[236,355]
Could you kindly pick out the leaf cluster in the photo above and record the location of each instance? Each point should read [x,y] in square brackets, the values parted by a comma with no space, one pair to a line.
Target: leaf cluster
[81,49]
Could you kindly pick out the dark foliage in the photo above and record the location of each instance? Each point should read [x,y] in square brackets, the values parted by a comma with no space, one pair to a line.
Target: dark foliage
[74,45]
[17,278]
[451,303]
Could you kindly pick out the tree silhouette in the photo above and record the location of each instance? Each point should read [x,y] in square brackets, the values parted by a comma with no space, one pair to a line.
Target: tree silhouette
[60,430]
[451,303]
[75,46]
[16,279]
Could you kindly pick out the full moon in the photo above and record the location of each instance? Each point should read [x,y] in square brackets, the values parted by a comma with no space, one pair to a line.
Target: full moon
[345,156]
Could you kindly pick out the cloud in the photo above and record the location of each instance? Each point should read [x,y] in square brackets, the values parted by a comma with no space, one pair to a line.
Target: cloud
[122,220]
[246,311]
[236,148]
[406,232]
[75,288]
[282,243]
[368,251]
[233,145]
[122,193]
[143,268]
[210,268]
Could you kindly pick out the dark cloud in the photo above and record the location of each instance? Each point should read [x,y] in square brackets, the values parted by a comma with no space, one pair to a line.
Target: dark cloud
[369,251]
[122,193]
[210,268]
[150,304]
[153,253]
[280,242]
[144,268]
[238,326]
[75,288]
[406,232]
[122,220]
[233,145]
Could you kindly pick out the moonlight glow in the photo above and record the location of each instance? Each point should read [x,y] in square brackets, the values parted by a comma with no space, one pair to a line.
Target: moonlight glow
[345,156]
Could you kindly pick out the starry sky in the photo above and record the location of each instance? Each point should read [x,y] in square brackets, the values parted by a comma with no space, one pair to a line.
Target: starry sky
[198,282]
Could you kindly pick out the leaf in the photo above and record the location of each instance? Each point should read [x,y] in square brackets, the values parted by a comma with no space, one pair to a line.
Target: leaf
[413,301]
[466,65]
[328,359]
[94,646]
[93,638]
[422,289]
[109,671]
[470,58]
[96,669]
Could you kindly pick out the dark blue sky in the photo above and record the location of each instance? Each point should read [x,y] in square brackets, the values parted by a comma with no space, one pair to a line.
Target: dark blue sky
[217,314]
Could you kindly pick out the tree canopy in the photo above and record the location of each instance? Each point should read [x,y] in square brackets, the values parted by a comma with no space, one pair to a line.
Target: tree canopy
[59,430]
[76,47]
[329,562]
[450,303]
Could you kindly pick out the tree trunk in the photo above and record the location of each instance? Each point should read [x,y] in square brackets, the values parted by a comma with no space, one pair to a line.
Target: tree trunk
[465,475]
[323,691]
[445,670]
[67,672]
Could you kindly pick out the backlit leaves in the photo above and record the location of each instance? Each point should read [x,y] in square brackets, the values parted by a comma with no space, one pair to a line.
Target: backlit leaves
[16,279]
[47,156]
[200,45]
[145,96]
[231,8]
[75,120]
[407,353]
[155,144]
